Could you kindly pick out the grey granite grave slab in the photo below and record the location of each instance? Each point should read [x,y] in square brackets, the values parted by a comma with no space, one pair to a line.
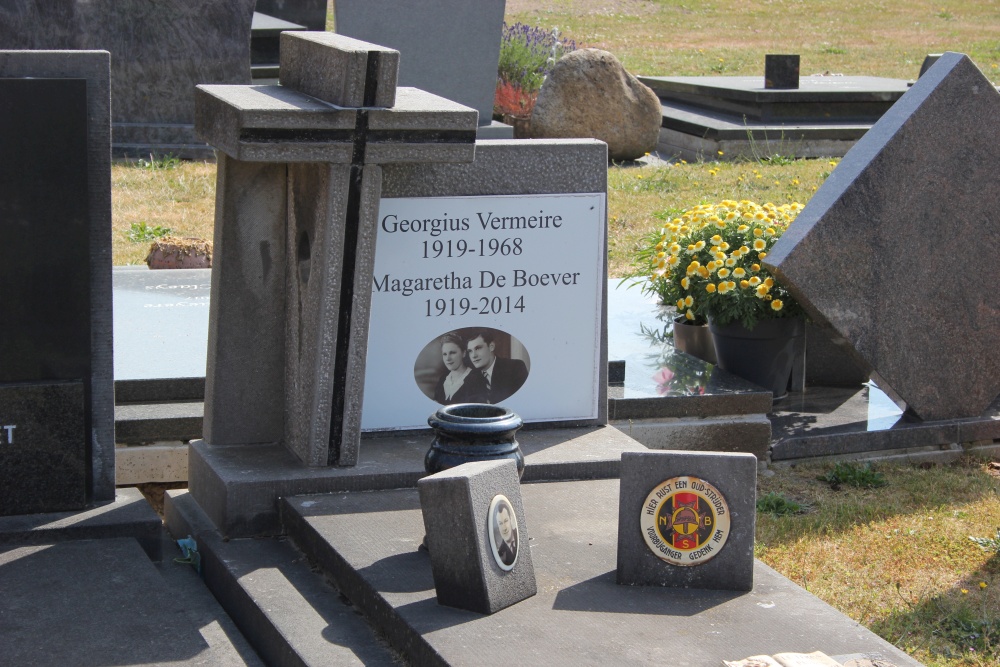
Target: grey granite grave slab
[63,605]
[735,478]
[239,487]
[127,516]
[160,52]
[456,505]
[369,543]
[447,47]
[320,287]
[894,292]
[62,289]
[285,609]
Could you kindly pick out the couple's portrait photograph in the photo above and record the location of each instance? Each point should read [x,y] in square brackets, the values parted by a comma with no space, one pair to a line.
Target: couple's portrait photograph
[472,365]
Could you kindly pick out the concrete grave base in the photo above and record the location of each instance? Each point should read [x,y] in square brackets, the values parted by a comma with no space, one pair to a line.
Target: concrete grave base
[369,544]
[128,515]
[238,487]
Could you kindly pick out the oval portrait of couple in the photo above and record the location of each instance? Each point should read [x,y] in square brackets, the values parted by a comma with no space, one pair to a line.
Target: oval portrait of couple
[472,365]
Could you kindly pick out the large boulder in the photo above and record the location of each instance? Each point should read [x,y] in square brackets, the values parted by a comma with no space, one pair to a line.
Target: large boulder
[589,94]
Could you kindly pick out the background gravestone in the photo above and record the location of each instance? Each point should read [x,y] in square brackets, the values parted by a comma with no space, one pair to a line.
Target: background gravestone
[160,51]
[447,47]
[896,250]
[56,385]
[309,13]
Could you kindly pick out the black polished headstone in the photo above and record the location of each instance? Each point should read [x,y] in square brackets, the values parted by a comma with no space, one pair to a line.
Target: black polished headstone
[781,72]
[45,291]
[44,235]
[56,385]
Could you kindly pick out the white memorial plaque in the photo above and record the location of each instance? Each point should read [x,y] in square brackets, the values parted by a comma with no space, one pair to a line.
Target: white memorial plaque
[516,281]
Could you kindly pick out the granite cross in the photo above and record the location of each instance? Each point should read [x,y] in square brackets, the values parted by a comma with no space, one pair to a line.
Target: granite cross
[897,250]
[296,216]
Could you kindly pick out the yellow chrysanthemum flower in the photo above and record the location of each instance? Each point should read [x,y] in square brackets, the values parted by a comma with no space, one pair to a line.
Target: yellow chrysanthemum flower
[703,272]
[762,255]
[744,284]
[723,273]
[776,304]
[754,281]
[673,260]
[755,267]
[685,282]
[742,228]
[710,287]
[689,301]
[739,272]
[761,291]
[759,244]
[769,282]
[689,314]
[758,231]
[731,262]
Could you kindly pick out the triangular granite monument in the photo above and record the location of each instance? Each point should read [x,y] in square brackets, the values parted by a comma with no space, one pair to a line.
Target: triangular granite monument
[897,250]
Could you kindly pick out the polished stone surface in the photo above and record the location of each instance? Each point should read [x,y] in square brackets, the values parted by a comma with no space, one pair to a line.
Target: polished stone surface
[659,381]
[160,52]
[447,47]
[43,447]
[869,255]
[161,322]
[58,266]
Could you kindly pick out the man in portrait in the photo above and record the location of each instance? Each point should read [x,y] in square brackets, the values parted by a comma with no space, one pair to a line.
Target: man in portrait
[507,547]
[503,376]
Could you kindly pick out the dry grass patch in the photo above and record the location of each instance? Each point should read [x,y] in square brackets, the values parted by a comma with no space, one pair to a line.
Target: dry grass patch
[639,197]
[897,559]
[170,194]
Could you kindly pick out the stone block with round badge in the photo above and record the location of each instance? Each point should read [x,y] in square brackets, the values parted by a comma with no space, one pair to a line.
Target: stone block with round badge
[477,536]
[687,520]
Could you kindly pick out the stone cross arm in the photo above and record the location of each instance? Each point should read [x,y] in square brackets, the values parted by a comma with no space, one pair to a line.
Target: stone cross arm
[279,124]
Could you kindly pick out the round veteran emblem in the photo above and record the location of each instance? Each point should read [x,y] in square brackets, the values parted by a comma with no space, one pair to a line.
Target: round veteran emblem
[685,521]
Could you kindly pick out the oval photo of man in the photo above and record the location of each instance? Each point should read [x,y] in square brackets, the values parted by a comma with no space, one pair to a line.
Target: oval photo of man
[503,532]
[472,365]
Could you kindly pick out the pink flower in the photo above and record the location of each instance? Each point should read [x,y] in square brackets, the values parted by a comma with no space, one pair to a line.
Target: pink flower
[662,379]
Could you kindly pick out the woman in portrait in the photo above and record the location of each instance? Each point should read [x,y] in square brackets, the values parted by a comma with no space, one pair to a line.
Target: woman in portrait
[460,383]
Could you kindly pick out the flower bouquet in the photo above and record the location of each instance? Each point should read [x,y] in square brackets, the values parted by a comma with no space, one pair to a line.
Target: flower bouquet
[707,263]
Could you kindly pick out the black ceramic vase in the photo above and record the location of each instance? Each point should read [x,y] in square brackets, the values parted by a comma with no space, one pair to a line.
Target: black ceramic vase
[469,432]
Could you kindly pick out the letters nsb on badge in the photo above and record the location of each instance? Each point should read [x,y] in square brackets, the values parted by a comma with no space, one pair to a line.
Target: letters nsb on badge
[685,521]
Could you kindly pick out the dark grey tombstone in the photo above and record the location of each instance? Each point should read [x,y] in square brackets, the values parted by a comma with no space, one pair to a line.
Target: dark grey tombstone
[447,47]
[160,51]
[456,506]
[299,184]
[56,386]
[713,561]
[897,248]
[781,72]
